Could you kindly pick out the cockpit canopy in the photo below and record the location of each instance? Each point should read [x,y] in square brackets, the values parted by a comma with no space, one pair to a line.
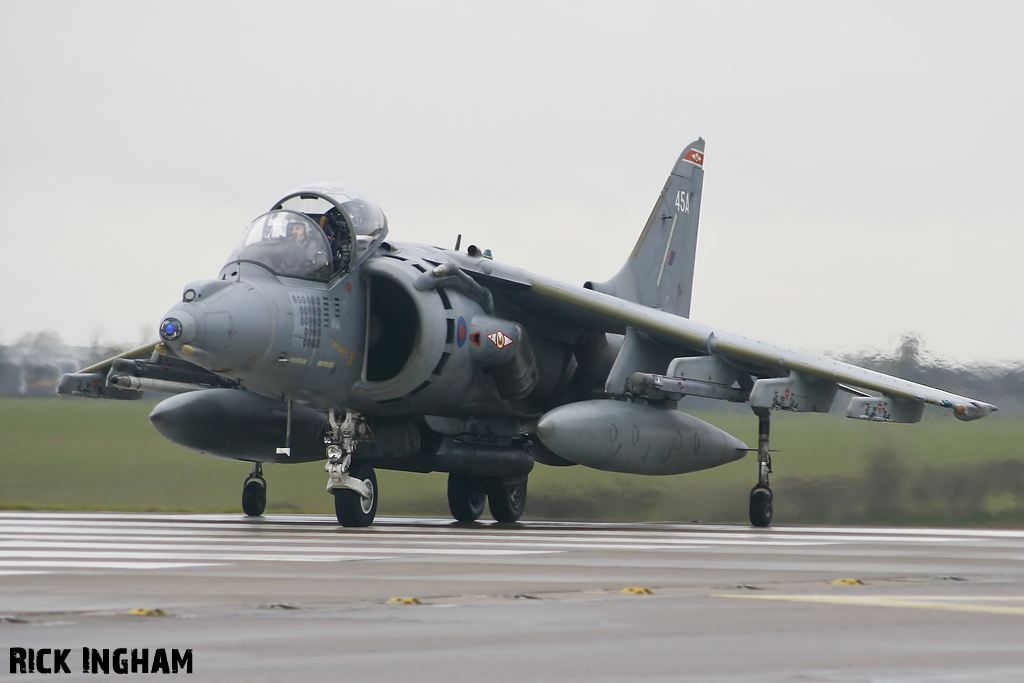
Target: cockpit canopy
[364,216]
[288,243]
[325,230]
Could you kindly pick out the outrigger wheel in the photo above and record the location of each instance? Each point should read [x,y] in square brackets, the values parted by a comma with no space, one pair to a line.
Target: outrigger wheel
[761,505]
[254,492]
[350,507]
[761,494]
[466,497]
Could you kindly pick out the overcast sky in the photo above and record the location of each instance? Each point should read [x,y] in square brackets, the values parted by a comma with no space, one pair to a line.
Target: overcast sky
[862,178]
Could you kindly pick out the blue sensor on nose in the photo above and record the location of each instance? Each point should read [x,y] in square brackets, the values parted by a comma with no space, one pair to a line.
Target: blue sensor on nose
[170,329]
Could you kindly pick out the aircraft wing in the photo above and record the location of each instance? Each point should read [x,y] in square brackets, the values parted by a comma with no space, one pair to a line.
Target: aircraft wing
[127,375]
[901,400]
[104,365]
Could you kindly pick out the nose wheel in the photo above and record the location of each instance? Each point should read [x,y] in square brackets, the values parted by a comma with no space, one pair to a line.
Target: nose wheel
[357,508]
[254,492]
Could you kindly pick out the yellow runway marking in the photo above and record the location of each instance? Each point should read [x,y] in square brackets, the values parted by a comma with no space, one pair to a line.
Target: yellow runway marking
[949,604]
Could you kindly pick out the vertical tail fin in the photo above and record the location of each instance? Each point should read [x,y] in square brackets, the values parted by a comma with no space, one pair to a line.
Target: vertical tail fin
[659,271]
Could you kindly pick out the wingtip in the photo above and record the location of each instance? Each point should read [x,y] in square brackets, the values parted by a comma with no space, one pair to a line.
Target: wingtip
[975,410]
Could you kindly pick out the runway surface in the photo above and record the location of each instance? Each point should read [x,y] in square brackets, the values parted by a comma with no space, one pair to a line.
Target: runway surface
[296,597]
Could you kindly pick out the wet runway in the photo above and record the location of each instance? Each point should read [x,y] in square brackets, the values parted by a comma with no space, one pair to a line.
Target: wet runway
[296,597]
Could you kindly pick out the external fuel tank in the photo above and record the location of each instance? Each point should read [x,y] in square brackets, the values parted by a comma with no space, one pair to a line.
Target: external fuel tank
[619,436]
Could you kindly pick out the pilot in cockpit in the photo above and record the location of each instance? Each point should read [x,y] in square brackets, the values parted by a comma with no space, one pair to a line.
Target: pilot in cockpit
[297,233]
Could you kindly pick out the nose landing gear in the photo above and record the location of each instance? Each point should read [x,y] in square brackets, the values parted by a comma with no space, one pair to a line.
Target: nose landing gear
[354,486]
[254,492]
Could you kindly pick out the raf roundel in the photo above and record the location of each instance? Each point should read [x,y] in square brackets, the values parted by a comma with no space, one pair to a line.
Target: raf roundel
[460,332]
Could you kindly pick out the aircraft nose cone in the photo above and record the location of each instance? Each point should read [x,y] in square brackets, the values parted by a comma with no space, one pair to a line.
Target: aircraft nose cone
[231,331]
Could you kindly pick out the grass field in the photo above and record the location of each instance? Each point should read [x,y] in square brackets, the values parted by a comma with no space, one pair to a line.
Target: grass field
[104,455]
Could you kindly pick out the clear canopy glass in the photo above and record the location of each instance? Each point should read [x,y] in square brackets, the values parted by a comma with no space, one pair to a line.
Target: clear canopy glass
[364,216]
[288,243]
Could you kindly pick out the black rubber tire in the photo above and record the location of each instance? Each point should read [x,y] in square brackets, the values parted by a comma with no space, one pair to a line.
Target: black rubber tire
[350,507]
[467,497]
[507,500]
[761,506]
[254,497]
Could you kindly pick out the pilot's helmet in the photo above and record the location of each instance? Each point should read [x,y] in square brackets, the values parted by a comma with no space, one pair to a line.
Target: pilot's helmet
[296,228]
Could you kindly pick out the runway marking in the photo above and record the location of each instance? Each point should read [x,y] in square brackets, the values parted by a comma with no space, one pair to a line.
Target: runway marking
[312,554]
[528,532]
[948,604]
[382,524]
[51,541]
[525,541]
[76,564]
[324,525]
[120,555]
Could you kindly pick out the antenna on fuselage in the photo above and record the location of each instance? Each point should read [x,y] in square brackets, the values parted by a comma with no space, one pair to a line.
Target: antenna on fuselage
[458,242]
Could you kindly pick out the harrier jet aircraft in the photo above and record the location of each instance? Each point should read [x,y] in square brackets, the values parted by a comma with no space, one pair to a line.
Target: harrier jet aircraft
[322,339]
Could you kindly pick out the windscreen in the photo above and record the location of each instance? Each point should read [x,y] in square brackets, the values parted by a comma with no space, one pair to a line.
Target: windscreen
[288,243]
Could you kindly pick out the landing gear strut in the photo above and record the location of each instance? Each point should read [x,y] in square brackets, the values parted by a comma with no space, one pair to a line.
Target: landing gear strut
[254,492]
[761,494]
[354,486]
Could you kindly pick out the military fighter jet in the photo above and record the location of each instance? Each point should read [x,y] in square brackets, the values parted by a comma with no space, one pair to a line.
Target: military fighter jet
[323,339]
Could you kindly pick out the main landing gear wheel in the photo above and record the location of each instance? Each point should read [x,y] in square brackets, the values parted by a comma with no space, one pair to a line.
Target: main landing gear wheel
[507,500]
[350,507]
[761,506]
[466,497]
[254,492]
